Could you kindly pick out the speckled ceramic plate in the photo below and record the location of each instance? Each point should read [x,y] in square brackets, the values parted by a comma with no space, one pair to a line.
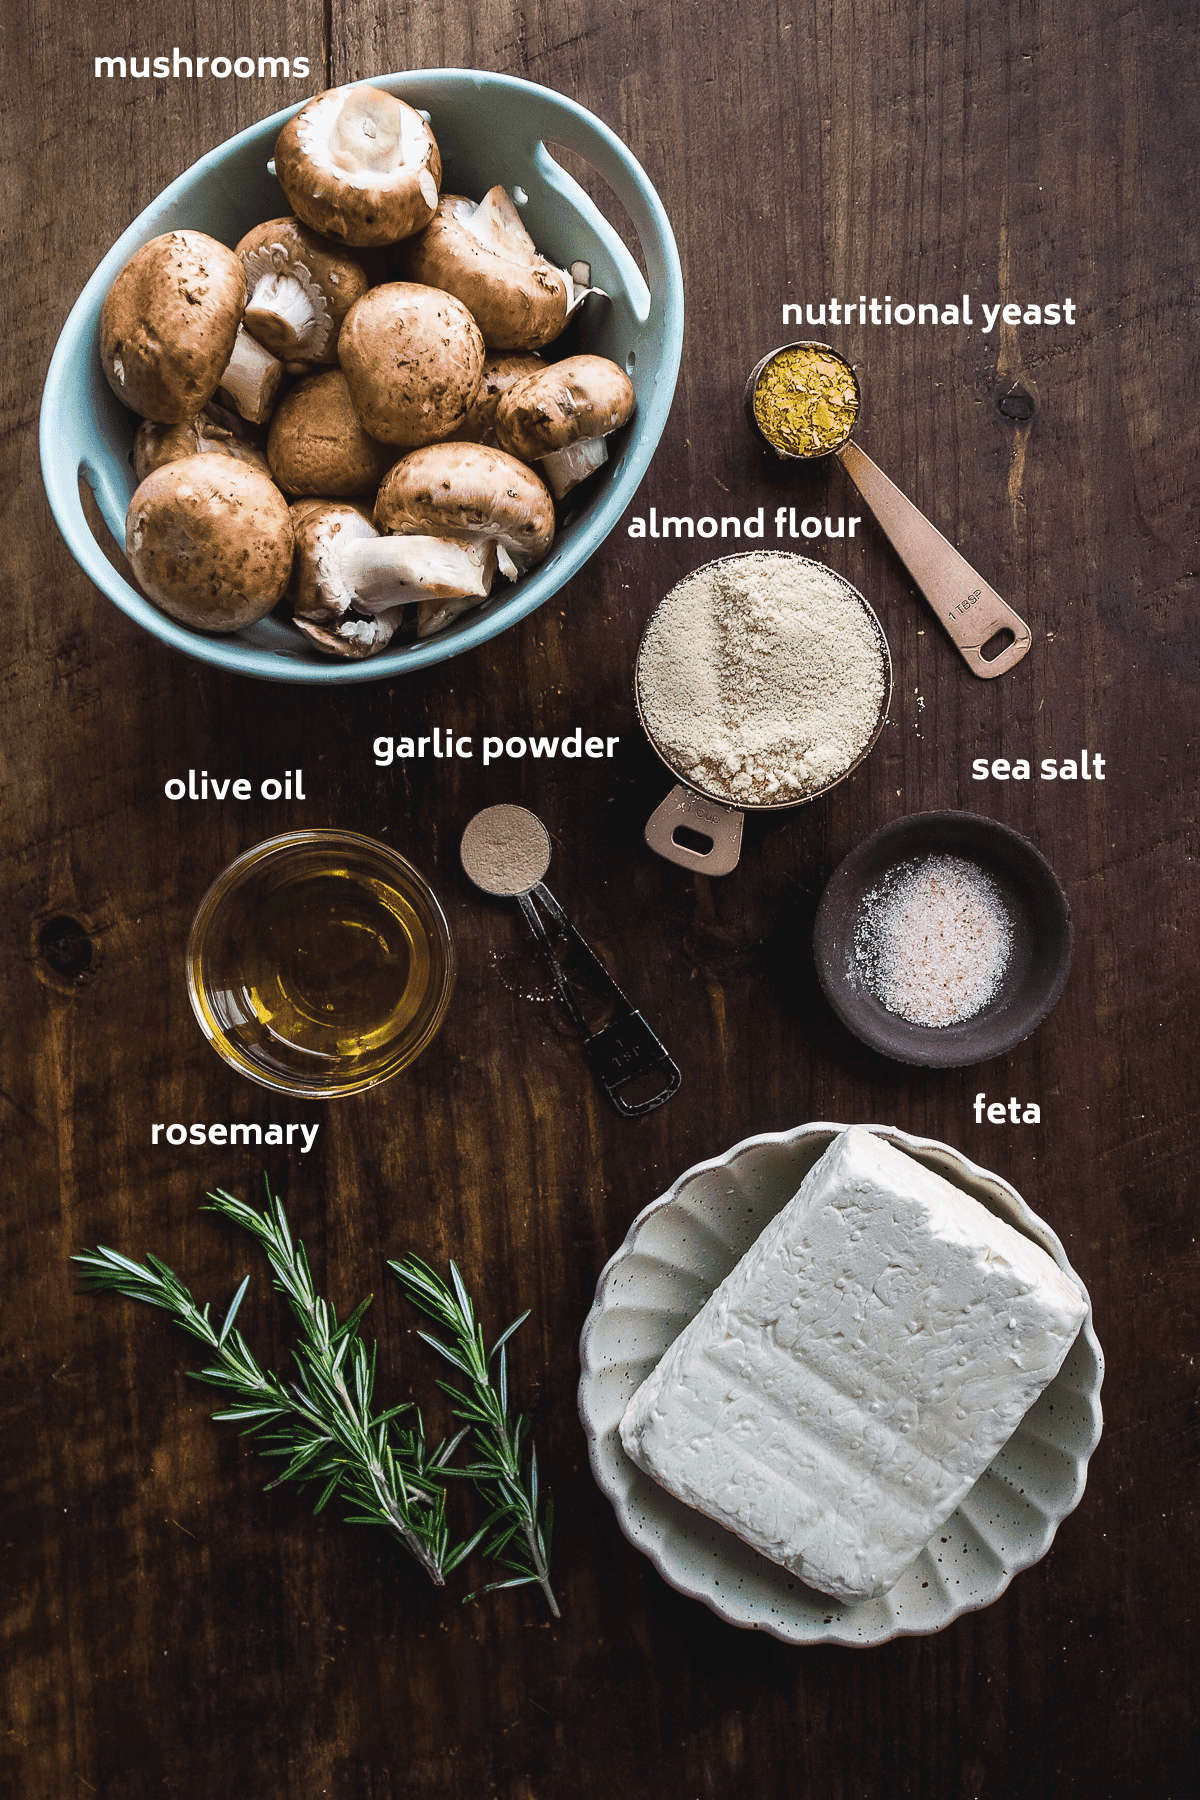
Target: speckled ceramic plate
[676,1253]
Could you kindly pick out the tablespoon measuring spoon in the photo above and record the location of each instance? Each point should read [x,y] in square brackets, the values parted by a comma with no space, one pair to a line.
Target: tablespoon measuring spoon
[971,611]
[505,851]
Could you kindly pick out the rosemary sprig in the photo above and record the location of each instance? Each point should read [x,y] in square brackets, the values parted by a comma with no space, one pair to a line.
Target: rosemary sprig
[323,1421]
[518,1539]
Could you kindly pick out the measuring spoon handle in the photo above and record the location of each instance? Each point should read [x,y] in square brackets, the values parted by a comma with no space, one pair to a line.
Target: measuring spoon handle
[971,611]
[624,1050]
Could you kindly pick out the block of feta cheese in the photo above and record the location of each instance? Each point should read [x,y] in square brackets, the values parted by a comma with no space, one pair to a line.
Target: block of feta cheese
[854,1375]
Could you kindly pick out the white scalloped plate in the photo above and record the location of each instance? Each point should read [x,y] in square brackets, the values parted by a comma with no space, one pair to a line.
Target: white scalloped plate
[677,1251]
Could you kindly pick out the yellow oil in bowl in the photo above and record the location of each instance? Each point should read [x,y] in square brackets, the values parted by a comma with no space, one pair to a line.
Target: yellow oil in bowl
[320,963]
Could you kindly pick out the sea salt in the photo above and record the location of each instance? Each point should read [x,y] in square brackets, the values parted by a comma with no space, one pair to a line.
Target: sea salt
[933,939]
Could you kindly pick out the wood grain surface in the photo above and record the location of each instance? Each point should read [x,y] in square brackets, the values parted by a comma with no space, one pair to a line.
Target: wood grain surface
[169,1627]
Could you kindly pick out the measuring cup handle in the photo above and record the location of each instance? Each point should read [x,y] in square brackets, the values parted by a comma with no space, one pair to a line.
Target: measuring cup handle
[719,826]
[971,611]
[626,1051]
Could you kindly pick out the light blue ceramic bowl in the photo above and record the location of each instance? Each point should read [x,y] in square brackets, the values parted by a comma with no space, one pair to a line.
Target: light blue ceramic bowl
[489,128]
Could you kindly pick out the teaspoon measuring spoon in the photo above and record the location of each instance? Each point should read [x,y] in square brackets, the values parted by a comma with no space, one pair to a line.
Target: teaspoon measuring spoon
[505,851]
[972,612]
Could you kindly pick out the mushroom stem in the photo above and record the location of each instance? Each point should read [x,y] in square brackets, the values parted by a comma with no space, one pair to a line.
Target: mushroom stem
[565,469]
[251,379]
[383,572]
[497,223]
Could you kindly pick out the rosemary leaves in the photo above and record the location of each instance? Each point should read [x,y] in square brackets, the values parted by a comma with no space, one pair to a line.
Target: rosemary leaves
[324,1422]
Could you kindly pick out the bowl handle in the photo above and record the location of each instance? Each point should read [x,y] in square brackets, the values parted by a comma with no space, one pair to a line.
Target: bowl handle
[720,826]
[70,451]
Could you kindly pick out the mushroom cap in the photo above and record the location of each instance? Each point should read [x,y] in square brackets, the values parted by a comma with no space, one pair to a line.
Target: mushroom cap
[414,359]
[168,324]
[467,491]
[317,445]
[288,247]
[157,444]
[315,590]
[519,299]
[359,165]
[580,397]
[210,541]
[501,370]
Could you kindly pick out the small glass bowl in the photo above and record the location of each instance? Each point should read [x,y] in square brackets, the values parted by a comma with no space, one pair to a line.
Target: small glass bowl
[320,963]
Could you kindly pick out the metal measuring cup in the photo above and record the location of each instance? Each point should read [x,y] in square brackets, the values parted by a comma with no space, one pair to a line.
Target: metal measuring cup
[971,612]
[711,817]
[505,851]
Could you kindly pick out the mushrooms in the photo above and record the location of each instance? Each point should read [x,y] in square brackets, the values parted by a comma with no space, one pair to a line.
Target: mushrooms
[484,255]
[157,444]
[191,331]
[317,445]
[168,325]
[349,586]
[359,165]
[322,528]
[300,287]
[472,493]
[414,359]
[210,541]
[500,372]
[561,416]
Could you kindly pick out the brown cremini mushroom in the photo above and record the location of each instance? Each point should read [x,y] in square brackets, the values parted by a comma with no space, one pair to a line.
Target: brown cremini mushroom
[317,445]
[299,286]
[560,417]
[169,323]
[473,493]
[484,255]
[322,528]
[359,165]
[501,370]
[157,444]
[353,585]
[414,360]
[210,541]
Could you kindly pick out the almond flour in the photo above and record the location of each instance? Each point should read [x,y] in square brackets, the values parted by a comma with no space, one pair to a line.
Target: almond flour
[762,678]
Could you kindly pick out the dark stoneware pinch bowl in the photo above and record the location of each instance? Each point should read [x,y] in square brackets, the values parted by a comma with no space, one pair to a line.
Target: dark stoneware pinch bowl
[1038,965]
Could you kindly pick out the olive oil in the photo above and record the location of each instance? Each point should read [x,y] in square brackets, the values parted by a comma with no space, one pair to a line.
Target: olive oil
[321,966]
[334,965]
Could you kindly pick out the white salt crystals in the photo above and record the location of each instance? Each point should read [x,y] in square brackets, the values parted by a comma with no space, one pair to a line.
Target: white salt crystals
[855,1374]
[762,679]
[932,940]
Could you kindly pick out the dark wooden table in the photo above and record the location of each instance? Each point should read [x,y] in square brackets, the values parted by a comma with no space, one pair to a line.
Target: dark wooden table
[169,1627]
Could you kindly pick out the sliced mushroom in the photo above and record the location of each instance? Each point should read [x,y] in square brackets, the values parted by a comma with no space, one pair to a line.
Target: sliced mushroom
[318,446]
[169,322]
[210,541]
[501,370]
[484,255]
[157,444]
[561,417]
[470,492]
[360,166]
[414,360]
[252,378]
[300,286]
